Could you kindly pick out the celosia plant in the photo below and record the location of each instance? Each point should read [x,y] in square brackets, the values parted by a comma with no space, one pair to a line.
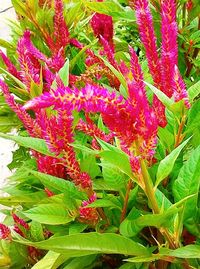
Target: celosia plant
[110,172]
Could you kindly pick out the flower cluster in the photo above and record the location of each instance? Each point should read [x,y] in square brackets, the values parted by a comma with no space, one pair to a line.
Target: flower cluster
[162,69]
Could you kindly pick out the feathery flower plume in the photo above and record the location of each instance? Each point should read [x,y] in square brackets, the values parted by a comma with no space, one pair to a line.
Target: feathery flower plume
[5,232]
[169,54]
[102,26]
[30,66]
[57,131]
[148,38]
[29,123]
[93,99]
[10,66]
[21,222]
[179,87]
[61,32]
[92,130]
[88,215]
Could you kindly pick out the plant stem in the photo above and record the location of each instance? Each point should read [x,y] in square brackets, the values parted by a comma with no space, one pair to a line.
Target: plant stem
[149,188]
[129,187]
[179,136]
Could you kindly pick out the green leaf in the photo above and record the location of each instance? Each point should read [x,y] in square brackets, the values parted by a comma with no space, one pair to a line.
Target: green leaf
[51,260]
[194,91]
[36,231]
[7,123]
[187,252]
[193,122]
[113,176]
[59,184]
[166,165]
[29,142]
[134,223]
[22,86]
[119,160]
[147,258]
[52,214]
[89,243]
[32,198]
[81,262]
[161,96]
[188,183]
[20,8]
[64,73]
[89,165]
[112,8]
[104,203]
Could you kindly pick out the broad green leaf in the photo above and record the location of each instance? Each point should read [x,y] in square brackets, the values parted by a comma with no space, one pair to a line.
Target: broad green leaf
[36,144]
[59,184]
[161,96]
[84,148]
[51,260]
[52,214]
[113,176]
[148,258]
[90,243]
[134,223]
[81,262]
[194,91]
[7,123]
[119,160]
[112,8]
[188,183]
[193,122]
[64,73]
[36,231]
[104,203]
[32,198]
[89,165]
[166,165]
[187,252]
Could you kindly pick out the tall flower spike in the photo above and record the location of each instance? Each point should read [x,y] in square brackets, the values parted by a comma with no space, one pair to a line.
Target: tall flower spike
[148,37]
[29,123]
[61,32]
[169,53]
[93,99]
[30,67]
[57,131]
[102,25]
[180,92]
[5,232]
[10,66]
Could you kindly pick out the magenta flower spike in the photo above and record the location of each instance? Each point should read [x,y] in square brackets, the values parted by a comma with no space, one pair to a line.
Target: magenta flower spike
[148,38]
[179,88]
[30,66]
[61,32]
[29,123]
[102,26]
[5,232]
[169,53]
[10,66]
[21,222]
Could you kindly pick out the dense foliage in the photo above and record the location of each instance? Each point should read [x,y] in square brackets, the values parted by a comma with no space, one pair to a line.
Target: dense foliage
[104,96]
